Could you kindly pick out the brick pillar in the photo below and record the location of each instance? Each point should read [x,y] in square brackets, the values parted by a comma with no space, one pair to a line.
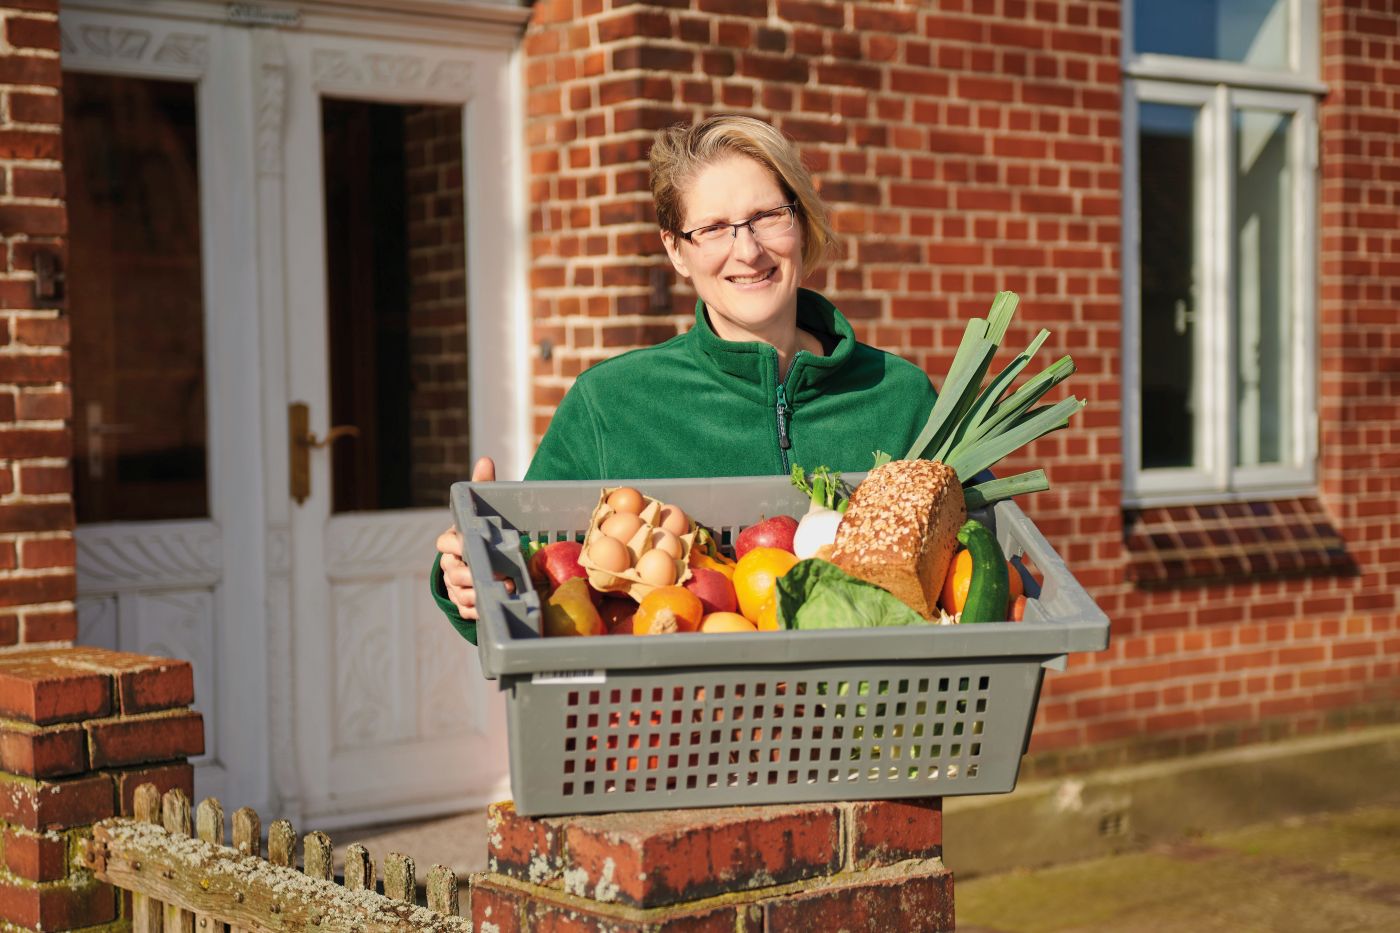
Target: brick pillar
[36,511]
[80,729]
[867,867]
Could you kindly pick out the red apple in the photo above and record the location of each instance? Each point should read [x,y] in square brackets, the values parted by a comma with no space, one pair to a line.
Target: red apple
[554,563]
[771,532]
[714,590]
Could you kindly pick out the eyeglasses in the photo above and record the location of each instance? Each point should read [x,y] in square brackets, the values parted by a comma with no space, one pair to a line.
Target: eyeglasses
[766,225]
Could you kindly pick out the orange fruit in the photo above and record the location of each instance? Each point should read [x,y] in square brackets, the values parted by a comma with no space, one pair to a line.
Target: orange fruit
[725,622]
[756,578]
[768,616]
[668,609]
[956,583]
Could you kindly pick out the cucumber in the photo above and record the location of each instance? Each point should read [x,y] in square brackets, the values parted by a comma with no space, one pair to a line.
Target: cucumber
[990,587]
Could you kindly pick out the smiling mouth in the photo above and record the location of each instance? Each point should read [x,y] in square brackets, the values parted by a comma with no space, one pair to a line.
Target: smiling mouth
[752,279]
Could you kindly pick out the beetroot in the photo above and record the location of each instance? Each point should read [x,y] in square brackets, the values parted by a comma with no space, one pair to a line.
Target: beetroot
[771,532]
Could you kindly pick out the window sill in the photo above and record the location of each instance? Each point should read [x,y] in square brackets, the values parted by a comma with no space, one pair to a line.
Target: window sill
[1193,544]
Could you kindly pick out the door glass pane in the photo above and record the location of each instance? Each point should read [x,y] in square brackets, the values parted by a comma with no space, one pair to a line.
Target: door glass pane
[1263,286]
[1252,32]
[1169,188]
[135,292]
[396,287]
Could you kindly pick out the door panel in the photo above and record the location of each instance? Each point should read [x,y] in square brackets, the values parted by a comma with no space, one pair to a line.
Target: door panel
[332,688]
[162,293]
[394,717]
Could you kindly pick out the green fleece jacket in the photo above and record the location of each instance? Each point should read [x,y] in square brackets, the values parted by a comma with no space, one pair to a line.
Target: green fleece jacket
[697,405]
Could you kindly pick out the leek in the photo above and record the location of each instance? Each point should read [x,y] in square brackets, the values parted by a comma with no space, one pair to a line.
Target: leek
[972,427]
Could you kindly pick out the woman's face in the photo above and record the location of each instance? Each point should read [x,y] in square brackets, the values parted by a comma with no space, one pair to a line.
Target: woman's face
[748,285]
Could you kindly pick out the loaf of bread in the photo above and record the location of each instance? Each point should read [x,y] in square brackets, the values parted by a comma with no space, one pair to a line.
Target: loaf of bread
[900,530]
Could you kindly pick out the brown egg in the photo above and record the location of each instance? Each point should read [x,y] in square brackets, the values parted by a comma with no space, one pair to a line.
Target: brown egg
[609,554]
[626,499]
[657,568]
[621,525]
[663,540]
[674,520]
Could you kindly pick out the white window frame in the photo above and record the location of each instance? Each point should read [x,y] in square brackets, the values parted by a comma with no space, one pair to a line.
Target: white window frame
[1219,89]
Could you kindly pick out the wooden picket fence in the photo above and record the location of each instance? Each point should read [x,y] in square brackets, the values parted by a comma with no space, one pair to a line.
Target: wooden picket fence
[184,883]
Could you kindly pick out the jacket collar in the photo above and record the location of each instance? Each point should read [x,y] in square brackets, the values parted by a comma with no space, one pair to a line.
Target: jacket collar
[750,368]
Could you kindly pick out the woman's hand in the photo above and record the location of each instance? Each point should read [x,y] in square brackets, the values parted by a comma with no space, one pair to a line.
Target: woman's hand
[455,572]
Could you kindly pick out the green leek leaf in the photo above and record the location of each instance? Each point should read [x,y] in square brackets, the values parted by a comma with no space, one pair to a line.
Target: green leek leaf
[994,490]
[1034,425]
[972,424]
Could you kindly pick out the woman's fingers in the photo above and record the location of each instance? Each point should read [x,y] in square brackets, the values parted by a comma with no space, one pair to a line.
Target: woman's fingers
[450,542]
[455,573]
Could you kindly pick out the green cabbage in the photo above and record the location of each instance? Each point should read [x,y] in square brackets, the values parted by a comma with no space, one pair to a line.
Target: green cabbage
[817,594]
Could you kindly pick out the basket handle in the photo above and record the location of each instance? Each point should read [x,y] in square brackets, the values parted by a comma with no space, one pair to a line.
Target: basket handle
[501,615]
[1062,597]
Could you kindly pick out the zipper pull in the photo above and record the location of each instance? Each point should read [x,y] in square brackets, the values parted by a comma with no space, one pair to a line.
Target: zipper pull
[784,441]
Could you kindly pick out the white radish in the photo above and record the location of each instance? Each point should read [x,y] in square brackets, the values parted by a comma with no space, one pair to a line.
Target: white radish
[818,527]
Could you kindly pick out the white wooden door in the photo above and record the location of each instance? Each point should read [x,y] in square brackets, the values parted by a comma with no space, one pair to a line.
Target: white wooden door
[192,586]
[390,715]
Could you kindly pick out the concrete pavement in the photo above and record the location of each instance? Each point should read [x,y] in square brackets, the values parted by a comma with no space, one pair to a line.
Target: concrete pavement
[1330,872]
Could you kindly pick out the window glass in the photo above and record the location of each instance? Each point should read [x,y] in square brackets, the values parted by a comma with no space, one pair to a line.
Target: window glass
[396,286]
[136,289]
[1169,262]
[1250,32]
[1264,228]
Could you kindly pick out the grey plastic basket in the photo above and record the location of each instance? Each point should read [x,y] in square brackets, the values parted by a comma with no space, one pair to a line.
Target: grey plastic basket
[640,723]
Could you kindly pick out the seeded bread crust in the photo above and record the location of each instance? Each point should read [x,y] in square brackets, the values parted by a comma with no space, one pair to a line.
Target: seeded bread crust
[900,530]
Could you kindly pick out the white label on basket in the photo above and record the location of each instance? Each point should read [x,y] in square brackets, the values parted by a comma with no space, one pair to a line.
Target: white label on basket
[569,677]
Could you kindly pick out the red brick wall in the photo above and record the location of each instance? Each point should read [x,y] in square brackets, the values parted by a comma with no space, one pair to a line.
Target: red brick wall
[437,301]
[821,866]
[36,512]
[1206,667]
[967,146]
[80,730]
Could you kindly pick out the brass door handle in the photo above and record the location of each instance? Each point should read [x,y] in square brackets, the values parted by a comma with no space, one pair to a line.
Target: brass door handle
[301,442]
[342,430]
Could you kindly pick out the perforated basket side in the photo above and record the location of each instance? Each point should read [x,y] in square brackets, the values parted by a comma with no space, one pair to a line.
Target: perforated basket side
[640,740]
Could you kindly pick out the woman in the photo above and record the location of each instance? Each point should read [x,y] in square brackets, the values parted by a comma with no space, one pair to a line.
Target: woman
[770,375]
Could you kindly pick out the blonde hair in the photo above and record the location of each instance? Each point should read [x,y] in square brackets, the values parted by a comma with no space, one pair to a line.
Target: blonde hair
[680,152]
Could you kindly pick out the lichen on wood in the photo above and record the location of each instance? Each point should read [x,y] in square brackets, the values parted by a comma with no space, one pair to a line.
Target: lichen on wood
[249,893]
[209,821]
[145,911]
[281,844]
[316,856]
[175,815]
[247,832]
[442,890]
[399,882]
[359,868]
[199,884]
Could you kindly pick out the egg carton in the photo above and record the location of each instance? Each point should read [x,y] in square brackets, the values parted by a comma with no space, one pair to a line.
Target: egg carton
[632,581]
